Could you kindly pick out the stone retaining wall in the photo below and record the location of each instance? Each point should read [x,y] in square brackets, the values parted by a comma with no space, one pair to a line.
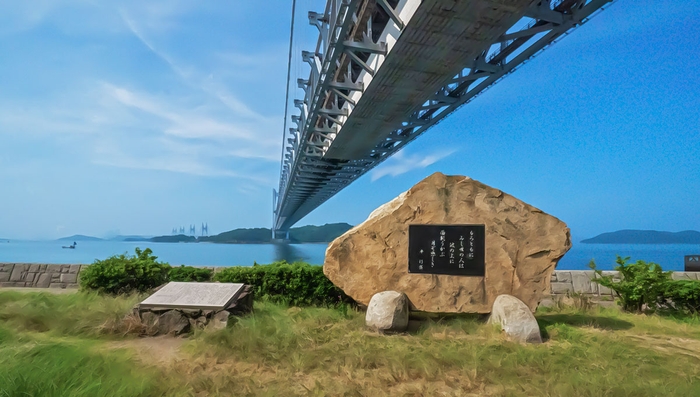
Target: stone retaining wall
[580,282]
[39,276]
[66,276]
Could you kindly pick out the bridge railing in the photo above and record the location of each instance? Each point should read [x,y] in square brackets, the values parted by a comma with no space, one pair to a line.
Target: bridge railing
[347,39]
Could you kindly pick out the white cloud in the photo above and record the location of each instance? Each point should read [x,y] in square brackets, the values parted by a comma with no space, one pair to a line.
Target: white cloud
[204,82]
[188,140]
[195,123]
[184,122]
[402,163]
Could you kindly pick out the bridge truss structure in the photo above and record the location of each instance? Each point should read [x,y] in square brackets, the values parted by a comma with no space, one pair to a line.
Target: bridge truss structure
[385,71]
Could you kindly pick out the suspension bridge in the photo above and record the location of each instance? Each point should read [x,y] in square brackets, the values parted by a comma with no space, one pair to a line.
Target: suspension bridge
[385,71]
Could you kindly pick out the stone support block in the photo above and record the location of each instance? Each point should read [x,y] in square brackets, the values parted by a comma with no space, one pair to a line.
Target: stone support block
[18,273]
[562,288]
[615,274]
[44,280]
[29,278]
[70,278]
[683,276]
[563,277]
[387,312]
[6,267]
[515,319]
[583,283]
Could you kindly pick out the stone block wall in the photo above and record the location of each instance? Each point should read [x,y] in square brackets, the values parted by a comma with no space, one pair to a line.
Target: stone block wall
[581,282]
[35,275]
[66,276]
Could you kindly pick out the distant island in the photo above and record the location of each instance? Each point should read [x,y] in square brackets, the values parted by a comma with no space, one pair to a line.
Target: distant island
[304,234]
[130,238]
[645,237]
[81,237]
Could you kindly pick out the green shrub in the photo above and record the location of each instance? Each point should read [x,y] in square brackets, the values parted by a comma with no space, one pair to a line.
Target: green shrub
[642,283]
[682,296]
[298,283]
[190,273]
[123,273]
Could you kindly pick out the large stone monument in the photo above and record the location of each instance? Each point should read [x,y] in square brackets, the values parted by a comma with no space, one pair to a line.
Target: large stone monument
[469,243]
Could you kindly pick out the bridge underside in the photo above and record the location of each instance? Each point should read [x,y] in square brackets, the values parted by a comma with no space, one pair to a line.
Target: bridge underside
[385,71]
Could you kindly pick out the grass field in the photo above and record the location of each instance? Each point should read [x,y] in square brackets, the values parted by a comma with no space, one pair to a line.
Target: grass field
[76,345]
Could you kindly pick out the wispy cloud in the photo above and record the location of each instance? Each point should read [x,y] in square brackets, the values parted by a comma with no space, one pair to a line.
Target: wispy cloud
[189,76]
[402,163]
[188,140]
[170,162]
[162,95]
[183,122]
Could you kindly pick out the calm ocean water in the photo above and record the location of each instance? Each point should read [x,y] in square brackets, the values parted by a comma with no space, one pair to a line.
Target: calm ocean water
[201,254]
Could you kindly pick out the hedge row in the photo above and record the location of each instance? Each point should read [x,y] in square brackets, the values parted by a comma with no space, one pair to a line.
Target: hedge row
[646,286]
[295,283]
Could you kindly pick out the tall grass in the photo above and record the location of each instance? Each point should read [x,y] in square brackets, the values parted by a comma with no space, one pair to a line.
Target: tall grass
[86,314]
[50,369]
[55,345]
[588,353]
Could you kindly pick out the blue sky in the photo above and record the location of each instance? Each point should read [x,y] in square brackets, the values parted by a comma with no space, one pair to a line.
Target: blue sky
[137,117]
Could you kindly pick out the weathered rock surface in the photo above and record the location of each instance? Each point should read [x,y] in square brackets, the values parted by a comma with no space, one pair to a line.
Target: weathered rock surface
[173,322]
[516,319]
[523,246]
[387,312]
[220,320]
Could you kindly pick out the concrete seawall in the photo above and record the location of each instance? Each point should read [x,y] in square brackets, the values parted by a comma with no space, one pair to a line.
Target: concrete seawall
[33,275]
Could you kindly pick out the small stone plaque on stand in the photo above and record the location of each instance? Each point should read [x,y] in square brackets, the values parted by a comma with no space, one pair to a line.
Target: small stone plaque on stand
[456,250]
[184,295]
[179,306]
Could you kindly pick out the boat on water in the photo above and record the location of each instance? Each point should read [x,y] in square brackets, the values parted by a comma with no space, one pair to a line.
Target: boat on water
[72,246]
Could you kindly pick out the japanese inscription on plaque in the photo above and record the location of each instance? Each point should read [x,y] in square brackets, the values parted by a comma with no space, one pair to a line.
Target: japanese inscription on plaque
[447,249]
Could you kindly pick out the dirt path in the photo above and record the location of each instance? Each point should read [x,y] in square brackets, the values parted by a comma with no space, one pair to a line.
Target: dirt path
[669,344]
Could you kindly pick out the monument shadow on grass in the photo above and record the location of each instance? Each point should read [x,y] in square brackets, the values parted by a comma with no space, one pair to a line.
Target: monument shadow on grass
[582,320]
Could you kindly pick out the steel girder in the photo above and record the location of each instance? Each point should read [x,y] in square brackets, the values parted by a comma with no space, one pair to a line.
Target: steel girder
[347,41]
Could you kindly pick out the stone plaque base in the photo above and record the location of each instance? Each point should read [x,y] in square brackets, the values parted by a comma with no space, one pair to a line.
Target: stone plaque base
[161,317]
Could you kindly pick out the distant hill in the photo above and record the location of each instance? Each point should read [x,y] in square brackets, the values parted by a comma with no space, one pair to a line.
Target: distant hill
[79,237]
[645,237]
[304,234]
[130,238]
[318,234]
[241,236]
[136,239]
[180,238]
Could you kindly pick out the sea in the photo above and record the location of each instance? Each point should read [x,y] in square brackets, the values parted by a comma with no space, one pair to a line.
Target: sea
[669,256]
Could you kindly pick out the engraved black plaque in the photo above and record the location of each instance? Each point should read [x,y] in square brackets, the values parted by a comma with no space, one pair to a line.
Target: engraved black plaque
[447,249]
[692,263]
